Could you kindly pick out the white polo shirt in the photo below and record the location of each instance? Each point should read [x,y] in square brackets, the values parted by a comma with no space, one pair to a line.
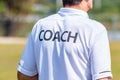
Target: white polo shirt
[67,46]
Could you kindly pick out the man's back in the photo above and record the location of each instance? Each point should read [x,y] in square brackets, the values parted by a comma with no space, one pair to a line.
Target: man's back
[63,44]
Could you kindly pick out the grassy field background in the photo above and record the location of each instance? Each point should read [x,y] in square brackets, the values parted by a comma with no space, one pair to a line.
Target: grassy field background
[115,56]
[10,55]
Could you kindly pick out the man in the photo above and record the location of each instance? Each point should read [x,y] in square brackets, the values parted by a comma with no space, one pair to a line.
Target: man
[67,46]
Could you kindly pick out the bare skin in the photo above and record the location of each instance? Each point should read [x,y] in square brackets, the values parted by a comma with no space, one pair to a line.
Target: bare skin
[107,78]
[21,76]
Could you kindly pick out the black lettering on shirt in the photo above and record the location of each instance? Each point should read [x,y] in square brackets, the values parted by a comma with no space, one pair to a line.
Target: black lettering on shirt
[48,35]
[72,36]
[40,35]
[62,36]
[56,36]
[66,36]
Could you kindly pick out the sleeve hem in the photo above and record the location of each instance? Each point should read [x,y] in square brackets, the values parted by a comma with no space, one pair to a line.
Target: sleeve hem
[103,75]
[25,72]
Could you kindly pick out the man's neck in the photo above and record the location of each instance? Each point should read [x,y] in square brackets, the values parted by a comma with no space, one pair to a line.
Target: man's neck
[77,7]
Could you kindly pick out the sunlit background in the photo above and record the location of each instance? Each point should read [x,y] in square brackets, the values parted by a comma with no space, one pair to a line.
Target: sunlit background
[17,18]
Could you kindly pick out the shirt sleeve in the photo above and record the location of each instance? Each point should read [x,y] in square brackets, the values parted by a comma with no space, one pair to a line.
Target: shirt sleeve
[27,64]
[100,56]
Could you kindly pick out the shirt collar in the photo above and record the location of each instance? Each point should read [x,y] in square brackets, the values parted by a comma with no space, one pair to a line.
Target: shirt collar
[71,11]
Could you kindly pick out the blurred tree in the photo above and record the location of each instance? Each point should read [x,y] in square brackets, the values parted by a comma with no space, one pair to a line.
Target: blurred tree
[18,6]
[2,7]
[50,3]
[109,6]
[97,4]
[44,2]
[106,6]
[9,10]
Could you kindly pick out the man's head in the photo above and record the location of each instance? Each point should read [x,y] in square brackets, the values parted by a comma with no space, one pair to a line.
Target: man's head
[85,5]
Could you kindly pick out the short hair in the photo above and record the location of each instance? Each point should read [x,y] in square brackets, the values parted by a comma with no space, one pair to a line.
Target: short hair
[71,2]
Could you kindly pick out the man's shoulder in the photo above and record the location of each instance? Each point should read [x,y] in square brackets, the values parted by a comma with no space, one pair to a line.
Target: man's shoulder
[96,24]
[48,18]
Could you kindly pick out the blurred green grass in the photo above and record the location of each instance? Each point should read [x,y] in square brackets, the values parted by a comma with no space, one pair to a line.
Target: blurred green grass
[115,56]
[10,55]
